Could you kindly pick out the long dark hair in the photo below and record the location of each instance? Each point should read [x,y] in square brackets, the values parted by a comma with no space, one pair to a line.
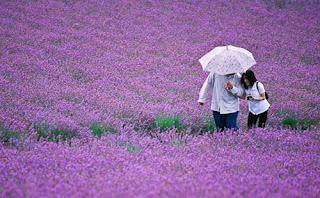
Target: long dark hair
[249,74]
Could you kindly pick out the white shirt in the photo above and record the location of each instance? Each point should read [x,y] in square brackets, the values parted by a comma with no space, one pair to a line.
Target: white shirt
[257,106]
[223,100]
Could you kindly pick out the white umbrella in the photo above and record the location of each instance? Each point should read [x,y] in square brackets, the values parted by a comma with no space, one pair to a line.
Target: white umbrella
[227,60]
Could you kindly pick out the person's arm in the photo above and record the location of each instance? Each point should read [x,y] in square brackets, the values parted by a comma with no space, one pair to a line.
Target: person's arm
[261,97]
[262,92]
[237,89]
[206,87]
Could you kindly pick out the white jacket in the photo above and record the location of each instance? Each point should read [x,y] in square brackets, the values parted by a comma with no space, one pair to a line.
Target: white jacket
[223,101]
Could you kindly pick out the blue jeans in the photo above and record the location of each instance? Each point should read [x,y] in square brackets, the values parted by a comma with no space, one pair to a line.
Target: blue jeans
[223,121]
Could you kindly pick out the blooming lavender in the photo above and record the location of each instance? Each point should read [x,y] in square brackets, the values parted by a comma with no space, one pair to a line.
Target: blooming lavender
[84,84]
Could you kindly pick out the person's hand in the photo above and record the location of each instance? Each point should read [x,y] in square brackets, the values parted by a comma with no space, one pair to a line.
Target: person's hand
[249,98]
[256,98]
[201,103]
[229,85]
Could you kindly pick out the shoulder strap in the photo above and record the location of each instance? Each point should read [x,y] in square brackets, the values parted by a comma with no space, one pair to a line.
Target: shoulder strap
[257,86]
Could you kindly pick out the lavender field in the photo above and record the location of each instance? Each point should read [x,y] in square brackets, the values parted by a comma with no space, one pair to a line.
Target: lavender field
[99,99]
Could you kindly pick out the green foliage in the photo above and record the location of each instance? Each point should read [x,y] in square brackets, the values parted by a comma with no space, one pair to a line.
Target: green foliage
[179,142]
[167,122]
[57,135]
[6,135]
[54,135]
[308,60]
[14,139]
[98,129]
[290,122]
[132,148]
[305,124]
[42,130]
[110,129]
[302,124]
[209,125]
[203,126]
[145,126]
[285,113]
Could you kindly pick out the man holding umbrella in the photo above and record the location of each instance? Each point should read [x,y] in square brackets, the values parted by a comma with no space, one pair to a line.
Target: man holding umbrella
[224,64]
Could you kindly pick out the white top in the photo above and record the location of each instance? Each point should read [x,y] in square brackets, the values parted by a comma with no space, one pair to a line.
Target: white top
[257,106]
[222,101]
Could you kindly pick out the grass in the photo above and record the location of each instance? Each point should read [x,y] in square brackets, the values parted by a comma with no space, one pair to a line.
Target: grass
[305,124]
[43,131]
[98,129]
[7,135]
[167,122]
[206,125]
[178,142]
[290,122]
[145,126]
[209,125]
[309,60]
[302,124]
[14,139]
[57,135]
[131,148]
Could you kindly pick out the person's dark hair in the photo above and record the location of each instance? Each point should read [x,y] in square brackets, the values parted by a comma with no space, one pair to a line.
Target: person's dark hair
[249,74]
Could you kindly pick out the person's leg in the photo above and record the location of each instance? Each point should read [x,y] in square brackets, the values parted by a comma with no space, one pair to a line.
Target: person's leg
[231,120]
[263,119]
[252,120]
[223,122]
[217,119]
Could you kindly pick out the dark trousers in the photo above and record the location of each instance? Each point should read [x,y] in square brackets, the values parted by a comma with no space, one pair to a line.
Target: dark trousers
[223,121]
[260,118]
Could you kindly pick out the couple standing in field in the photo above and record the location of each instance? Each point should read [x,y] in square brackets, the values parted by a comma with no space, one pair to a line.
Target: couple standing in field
[225,104]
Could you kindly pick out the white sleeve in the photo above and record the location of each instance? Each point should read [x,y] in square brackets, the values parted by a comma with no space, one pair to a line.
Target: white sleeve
[238,89]
[261,88]
[206,87]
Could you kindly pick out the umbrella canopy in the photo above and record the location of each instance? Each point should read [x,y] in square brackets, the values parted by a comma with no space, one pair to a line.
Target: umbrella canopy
[228,59]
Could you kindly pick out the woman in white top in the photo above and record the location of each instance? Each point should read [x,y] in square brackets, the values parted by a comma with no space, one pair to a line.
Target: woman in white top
[256,96]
